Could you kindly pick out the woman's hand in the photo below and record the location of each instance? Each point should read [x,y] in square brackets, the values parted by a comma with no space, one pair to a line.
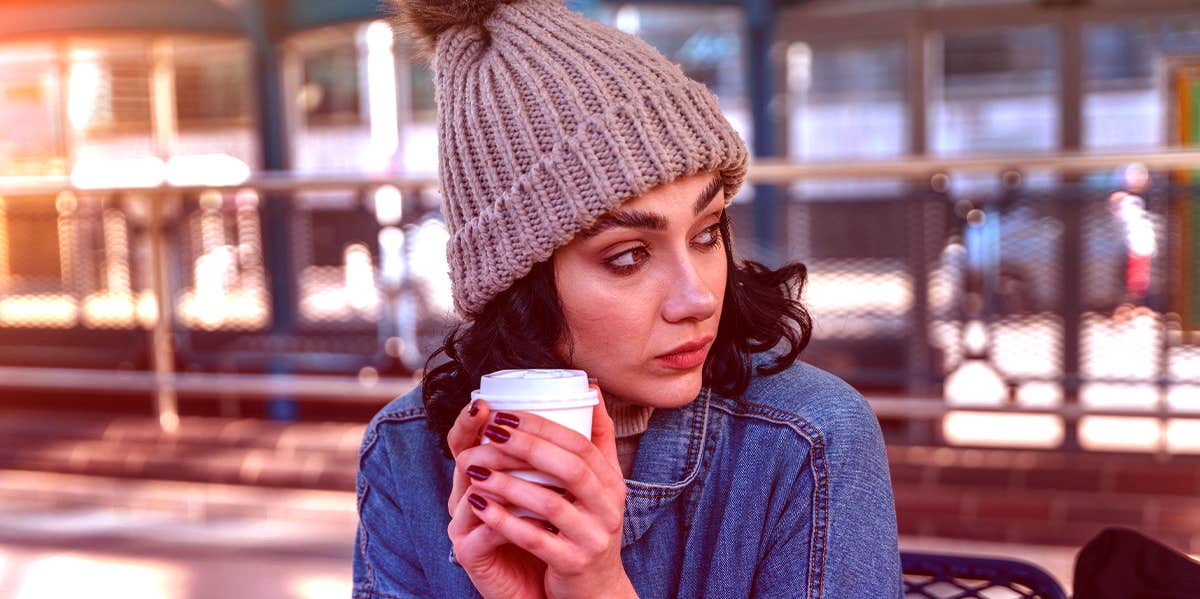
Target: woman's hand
[496,567]
[581,546]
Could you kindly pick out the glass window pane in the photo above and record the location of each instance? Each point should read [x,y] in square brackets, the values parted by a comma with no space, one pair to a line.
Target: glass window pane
[418,132]
[331,86]
[998,91]
[30,89]
[332,133]
[212,85]
[213,99]
[421,91]
[108,100]
[846,100]
[705,41]
[1124,104]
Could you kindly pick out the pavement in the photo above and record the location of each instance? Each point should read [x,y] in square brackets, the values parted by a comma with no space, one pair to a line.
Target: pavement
[108,507]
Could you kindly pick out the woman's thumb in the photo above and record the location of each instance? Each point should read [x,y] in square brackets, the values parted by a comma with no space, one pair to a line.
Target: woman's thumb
[603,434]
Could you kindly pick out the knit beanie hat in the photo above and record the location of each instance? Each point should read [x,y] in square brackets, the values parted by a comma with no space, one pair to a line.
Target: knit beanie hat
[547,120]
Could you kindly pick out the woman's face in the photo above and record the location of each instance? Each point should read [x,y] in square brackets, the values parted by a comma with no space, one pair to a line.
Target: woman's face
[644,280]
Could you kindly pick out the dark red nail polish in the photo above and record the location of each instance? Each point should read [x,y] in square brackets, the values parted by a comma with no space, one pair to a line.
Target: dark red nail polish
[496,433]
[477,501]
[478,472]
[509,420]
[474,409]
[550,527]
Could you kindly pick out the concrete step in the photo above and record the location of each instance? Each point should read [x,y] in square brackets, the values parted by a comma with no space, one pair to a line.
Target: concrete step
[50,509]
[245,452]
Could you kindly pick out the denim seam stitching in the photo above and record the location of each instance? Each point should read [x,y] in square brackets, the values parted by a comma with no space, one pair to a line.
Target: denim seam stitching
[821,478]
[402,415]
[655,491]
[710,448]
[370,594]
[363,488]
[370,437]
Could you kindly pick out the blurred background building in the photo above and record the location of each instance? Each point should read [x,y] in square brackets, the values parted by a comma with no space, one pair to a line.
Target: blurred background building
[221,253]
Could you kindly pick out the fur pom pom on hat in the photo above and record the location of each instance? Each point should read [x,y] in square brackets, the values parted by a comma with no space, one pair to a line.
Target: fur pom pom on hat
[547,120]
[428,20]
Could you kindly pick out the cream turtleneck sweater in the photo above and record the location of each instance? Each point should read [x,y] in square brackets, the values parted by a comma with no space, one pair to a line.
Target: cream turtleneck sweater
[629,422]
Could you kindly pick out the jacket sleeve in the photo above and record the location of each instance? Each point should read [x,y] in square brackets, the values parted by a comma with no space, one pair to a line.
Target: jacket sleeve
[838,536]
[385,558]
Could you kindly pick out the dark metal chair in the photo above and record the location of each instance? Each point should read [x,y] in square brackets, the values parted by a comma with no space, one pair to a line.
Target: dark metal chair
[939,576]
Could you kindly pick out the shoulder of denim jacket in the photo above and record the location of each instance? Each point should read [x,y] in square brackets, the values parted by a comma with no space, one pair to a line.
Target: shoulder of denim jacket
[402,421]
[407,407]
[816,402]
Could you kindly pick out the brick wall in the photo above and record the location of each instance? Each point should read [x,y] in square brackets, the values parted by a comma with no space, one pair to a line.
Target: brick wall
[1043,497]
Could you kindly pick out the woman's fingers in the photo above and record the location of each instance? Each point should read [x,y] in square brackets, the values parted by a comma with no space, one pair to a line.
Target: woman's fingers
[556,507]
[462,520]
[470,538]
[570,458]
[483,455]
[561,437]
[463,435]
[466,429]
[543,543]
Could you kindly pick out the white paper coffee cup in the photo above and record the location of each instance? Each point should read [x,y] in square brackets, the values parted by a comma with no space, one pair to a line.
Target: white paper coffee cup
[562,396]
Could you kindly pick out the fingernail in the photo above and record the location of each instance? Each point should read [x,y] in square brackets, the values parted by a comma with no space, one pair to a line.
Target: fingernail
[561,491]
[478,472]
[507,419]
[474,409]
[496,433]
[477,501]
[550,527]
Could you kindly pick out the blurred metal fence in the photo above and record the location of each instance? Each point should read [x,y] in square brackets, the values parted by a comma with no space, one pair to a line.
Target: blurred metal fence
[80,261]
[1067,290]
[65,266]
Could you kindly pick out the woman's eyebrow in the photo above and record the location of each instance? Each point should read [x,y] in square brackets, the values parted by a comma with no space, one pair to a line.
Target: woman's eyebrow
[706,196]
[640,219]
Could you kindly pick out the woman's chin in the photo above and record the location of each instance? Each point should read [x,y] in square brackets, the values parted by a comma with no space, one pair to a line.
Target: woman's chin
[672,393]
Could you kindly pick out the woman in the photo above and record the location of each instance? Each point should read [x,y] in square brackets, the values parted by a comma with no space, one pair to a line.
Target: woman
[585,180]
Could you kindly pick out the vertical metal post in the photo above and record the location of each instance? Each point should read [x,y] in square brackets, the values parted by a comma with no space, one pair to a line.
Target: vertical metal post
[760,21]
[163,345]
[917,91]
[265,25]
[920,361]
[1070,102]
[164,126]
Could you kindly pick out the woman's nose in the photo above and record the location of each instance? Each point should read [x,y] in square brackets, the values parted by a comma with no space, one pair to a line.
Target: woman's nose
[688,296]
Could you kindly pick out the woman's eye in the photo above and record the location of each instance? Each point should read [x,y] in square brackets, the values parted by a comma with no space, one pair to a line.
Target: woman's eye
[630,260]
[626,261]
[711,236]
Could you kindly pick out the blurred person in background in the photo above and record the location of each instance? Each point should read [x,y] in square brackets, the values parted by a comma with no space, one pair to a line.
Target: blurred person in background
[585,180]
[1129,208]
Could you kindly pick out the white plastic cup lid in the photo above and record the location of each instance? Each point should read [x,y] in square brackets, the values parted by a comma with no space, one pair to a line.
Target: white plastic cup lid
[537,387]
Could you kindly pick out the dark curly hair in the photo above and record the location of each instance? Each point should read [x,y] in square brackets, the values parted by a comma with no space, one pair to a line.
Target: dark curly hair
[521,327]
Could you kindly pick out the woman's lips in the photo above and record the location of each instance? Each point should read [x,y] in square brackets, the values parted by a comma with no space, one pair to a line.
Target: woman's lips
[684,360]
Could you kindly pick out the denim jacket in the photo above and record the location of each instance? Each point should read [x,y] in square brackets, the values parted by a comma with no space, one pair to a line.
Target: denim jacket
[782,492]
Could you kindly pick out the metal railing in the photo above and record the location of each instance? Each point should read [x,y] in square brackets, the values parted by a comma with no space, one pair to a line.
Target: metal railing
[187,233]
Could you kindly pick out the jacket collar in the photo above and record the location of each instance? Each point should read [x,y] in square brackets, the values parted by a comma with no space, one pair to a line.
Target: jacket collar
[667,462]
